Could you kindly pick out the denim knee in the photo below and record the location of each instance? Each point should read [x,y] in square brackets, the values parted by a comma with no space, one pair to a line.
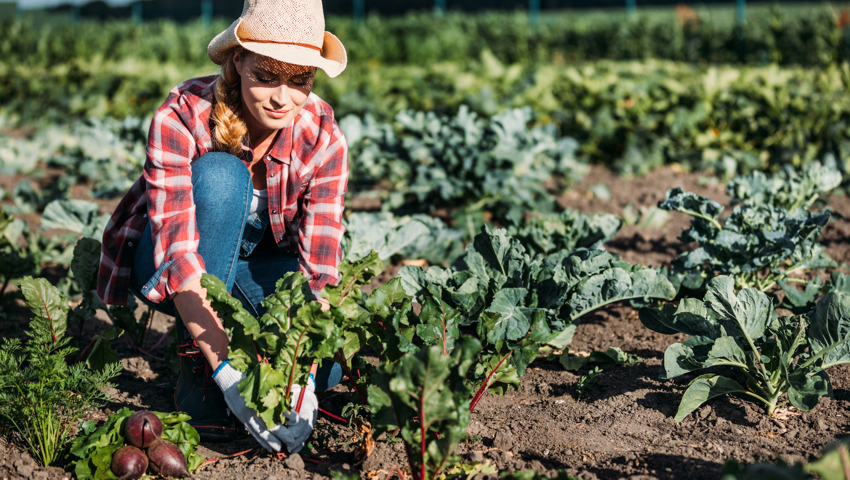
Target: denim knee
[219,180]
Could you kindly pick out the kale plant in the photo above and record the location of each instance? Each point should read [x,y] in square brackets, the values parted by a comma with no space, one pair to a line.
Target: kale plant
[779,356]
[567,230]
[42,395]
[788,189]
[758,245]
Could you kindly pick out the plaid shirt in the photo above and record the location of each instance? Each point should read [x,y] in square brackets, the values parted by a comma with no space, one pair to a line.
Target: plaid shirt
[307,177]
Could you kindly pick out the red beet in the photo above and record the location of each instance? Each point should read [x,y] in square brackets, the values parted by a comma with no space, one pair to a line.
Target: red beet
[142,429]
[129,463]
[167,460]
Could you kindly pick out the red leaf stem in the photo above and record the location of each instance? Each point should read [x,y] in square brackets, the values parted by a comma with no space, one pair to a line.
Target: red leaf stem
[480,392]
[344,365]
[332,415]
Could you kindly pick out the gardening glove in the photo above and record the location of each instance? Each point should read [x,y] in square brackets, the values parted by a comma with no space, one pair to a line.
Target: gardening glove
[227,378]
[299,425]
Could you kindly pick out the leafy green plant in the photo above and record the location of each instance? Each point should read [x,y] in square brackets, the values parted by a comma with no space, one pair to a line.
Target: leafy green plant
[14,260]
[276,351]
[465,163]
[426,396]
[758,245]
[410,237]
[778,355]
[517,304]
[567,230]
[587,382]
[41,395]
[790,188]
[97,443]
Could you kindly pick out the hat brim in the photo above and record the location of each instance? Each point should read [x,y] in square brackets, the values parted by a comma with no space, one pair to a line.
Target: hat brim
[332,59]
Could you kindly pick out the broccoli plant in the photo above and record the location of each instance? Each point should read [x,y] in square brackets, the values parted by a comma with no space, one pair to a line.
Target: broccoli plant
[425,396]
[778,356]
[758,245]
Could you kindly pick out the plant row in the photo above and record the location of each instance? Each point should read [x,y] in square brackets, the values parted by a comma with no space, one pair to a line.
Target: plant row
[811,36]
[627,115]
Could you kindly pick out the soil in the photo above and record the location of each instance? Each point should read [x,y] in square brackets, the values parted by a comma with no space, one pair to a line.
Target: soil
[621,428]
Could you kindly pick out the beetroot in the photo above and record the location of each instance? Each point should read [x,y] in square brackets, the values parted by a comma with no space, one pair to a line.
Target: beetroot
[167,460]
[142,429]
[129,463]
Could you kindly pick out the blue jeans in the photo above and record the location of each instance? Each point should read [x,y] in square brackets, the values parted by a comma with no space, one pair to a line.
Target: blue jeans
[238,248]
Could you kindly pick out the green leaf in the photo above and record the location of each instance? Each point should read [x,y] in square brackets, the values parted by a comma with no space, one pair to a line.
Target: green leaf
[511,320]
[726,352]
[746,314]
[439,322]
[50,310]
[805,389]
[85,263]
[425,395]
[78,216]
[703,389]
[102,353]
[829,330]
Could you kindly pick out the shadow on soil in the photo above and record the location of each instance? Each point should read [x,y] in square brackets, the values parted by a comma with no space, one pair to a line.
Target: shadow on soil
[665,467]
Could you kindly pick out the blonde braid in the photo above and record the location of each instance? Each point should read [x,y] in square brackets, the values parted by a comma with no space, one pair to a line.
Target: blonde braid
[230,129]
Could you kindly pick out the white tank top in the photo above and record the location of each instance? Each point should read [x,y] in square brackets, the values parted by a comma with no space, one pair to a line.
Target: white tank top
[260,201]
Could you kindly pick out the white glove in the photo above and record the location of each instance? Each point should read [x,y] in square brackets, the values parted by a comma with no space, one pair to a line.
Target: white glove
[227,378]
[299,425]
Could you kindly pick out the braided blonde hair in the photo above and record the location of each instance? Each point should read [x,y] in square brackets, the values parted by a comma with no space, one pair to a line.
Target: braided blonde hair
[230,129]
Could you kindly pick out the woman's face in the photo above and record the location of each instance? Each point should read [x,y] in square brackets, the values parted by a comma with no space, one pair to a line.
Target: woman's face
[273,92]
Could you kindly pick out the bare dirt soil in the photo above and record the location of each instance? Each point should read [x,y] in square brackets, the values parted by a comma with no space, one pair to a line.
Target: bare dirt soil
[622,428]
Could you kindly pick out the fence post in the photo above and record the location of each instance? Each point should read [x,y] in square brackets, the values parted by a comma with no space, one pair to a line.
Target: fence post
[137,12]
[439,7]
[207,12]
[741,11]
[534,11]
[359,7]
[631,8]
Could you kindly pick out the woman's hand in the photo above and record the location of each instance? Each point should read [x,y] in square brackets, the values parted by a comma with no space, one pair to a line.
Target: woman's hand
[202,322]
[325,305]
[227,378]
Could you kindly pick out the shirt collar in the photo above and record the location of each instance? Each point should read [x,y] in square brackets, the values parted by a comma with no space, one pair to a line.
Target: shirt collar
[282,146]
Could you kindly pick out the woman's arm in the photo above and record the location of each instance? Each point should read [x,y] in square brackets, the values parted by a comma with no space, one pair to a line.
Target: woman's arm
[202,322]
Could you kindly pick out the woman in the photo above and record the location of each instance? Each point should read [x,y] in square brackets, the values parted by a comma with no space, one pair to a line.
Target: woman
[245,179]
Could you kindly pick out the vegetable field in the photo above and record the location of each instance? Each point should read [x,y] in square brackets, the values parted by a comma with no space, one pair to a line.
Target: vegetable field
[554,266]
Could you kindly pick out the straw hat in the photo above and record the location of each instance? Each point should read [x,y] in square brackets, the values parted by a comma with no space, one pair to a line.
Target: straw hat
[291,31]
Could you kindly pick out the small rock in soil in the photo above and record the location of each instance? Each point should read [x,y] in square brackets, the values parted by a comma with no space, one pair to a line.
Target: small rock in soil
[704,412]
[272,477]
[792,434]
[504,441]
[544,389]
[821,424]
[294,461]
[476,456]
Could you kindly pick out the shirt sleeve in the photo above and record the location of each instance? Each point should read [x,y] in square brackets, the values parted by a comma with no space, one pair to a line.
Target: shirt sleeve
[321,229]
[171,209]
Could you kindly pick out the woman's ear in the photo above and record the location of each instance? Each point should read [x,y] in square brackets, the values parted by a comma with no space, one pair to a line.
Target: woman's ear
[238,60]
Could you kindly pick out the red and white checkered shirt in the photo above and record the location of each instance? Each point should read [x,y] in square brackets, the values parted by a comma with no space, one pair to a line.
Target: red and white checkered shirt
[307,177]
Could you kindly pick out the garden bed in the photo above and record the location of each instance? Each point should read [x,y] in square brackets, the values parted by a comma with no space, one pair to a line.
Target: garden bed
[621,428]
